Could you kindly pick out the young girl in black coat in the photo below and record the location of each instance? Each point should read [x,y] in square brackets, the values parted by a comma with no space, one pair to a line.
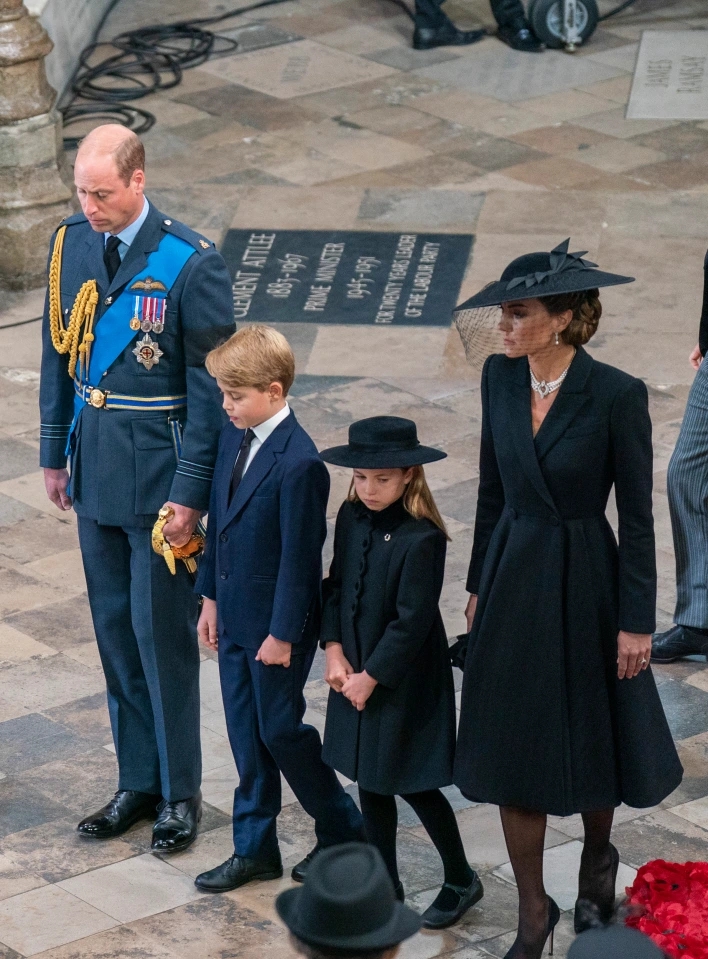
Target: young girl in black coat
[391,712]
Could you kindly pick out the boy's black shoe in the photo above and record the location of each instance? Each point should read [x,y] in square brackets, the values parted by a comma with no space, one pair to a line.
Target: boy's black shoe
[677,642]
[176,825]
[447,35]
[300,870]
[237,871]
[451,904]
[125,809]
[518,36]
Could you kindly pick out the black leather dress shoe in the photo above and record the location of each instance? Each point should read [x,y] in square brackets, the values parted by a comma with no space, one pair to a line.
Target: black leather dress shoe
[125,809]
[677,642]
[451,904]
[518,36]
[237,871]
[300,870]
[176,824]
[425,38]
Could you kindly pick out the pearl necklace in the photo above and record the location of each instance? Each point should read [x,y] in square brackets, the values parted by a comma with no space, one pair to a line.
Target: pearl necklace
[545,389]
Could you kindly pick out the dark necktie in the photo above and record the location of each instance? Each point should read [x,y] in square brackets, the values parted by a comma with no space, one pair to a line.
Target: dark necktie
[111,256]
[240,464]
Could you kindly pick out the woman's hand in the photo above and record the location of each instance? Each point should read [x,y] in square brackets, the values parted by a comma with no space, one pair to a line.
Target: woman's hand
[338,669]
[695,359]
[633,653]
[358,688]
[206,627]
[470,610]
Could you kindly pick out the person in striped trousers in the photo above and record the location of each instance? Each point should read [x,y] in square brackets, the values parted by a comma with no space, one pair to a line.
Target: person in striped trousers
[687,486]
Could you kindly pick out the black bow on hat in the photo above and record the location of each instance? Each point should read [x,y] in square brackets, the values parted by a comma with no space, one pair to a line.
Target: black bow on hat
[347,902]
[544,274]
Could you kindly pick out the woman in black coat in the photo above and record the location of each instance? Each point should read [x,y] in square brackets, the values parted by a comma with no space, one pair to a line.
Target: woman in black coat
[391,712]
[560,713]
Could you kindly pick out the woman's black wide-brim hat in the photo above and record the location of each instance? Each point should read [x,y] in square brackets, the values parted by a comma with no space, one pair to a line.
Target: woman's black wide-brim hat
[544,274]
[382,442]
[347,902]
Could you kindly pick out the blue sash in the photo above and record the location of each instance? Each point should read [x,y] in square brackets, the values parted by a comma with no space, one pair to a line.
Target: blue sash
[113,332]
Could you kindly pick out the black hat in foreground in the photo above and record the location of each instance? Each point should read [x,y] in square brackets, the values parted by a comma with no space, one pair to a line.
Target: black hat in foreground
[614,942]
[347,902]
[382,442]
[544,274]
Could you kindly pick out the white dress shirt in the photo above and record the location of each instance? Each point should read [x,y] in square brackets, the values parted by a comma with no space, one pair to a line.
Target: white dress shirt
[263,431]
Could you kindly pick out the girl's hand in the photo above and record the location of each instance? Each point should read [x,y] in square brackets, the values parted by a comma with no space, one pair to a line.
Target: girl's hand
[337,667]
[470,610]
[358,688]
[206,627]
[633,653]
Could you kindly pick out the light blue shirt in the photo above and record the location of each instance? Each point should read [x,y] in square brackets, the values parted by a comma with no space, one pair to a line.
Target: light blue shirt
[127,235]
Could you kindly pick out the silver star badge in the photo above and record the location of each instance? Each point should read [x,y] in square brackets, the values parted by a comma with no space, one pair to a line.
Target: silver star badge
[147,352]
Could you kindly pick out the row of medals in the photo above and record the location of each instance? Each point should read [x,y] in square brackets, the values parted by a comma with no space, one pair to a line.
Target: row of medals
[148,316]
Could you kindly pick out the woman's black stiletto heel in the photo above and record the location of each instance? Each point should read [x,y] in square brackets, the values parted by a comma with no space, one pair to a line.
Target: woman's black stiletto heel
[521,951]
[591,913]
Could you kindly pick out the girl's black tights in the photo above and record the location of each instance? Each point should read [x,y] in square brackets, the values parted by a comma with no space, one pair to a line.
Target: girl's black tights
[438,819]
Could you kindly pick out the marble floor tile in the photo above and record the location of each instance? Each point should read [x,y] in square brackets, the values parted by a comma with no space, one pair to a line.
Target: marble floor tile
[562,138]
[81,788]
[44,918]
[16,458]
[555,173]
[211,849]
[361,39]
[560,873]
[614,123]
[286,208]
[509,75]
[495,153]
[16,647]
[32,740]
[29,489]
[55,681]
[296,69]
[660,835]
[570,104]
[14,879]
[617,89]
[133,889]
[441,211]
[55,850]
[64,570]
[616,156]
[38,536]
[87,717]
[405,58]
[541,213]
[118,942]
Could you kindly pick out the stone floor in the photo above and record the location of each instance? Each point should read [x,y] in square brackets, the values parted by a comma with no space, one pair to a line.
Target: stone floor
[366,134]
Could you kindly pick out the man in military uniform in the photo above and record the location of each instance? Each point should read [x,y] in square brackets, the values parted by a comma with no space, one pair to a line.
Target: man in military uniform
[135,302]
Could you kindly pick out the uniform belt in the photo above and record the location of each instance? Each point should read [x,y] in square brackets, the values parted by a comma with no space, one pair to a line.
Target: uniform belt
[107,400]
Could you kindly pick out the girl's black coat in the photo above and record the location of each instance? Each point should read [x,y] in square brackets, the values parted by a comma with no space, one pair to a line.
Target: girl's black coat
[545,723]
[381,604]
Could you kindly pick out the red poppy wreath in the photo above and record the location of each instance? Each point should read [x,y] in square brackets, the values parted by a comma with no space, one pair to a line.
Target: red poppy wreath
[669,903]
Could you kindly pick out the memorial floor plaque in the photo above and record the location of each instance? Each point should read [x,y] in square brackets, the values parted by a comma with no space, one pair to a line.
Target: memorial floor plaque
[671,76]
[305,276]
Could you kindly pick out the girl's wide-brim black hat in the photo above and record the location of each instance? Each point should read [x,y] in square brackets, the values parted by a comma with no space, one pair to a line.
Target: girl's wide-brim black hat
[382,442]
[347,902]
[544,274]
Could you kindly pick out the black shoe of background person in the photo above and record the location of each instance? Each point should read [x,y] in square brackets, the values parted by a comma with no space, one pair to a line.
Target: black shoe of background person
[176,824]
[237,871]
[677,642]
[519,36]
[299,871]
[447,35]
[125,809]
[452,903]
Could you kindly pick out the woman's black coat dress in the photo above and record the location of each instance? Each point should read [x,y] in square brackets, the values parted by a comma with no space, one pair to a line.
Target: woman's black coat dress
[545,723]
[381,604]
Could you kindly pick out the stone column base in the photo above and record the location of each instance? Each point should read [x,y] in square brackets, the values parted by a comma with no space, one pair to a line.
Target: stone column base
[34,196]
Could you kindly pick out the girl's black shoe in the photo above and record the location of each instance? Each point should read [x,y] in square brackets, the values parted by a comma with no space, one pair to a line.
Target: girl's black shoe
[451,904]
[523,950]
[596,909]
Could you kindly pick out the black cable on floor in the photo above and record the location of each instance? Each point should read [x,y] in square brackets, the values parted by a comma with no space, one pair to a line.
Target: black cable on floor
[140,62]
[10,326]
[616,10]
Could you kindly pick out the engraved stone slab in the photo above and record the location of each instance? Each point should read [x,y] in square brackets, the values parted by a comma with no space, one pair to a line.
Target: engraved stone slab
[296,69]
[671,76]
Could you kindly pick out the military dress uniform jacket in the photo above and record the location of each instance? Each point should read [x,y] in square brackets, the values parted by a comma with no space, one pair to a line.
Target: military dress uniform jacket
[381,604]
[124,466]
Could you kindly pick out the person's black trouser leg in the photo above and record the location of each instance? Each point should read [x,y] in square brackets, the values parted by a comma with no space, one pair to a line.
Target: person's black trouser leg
[507,11]
[428,14]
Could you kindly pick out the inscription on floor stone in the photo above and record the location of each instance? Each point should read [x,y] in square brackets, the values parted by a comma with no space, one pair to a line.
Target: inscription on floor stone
[671,76]
[295,69]
[403,279]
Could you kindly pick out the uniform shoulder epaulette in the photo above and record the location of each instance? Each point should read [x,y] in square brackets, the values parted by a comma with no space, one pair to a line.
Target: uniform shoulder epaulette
[74,218]
[195,239]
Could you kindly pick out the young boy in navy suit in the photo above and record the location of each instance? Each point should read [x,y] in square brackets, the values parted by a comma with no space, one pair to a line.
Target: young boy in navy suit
[261,577]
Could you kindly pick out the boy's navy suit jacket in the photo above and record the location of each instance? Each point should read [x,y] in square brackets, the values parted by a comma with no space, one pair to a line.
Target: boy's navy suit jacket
[262,561]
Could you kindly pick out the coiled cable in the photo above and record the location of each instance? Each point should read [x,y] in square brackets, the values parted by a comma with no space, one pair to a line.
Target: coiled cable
[140,62]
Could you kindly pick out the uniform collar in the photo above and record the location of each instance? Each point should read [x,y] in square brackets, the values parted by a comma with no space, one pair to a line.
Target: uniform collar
[264,429]
[131,231]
